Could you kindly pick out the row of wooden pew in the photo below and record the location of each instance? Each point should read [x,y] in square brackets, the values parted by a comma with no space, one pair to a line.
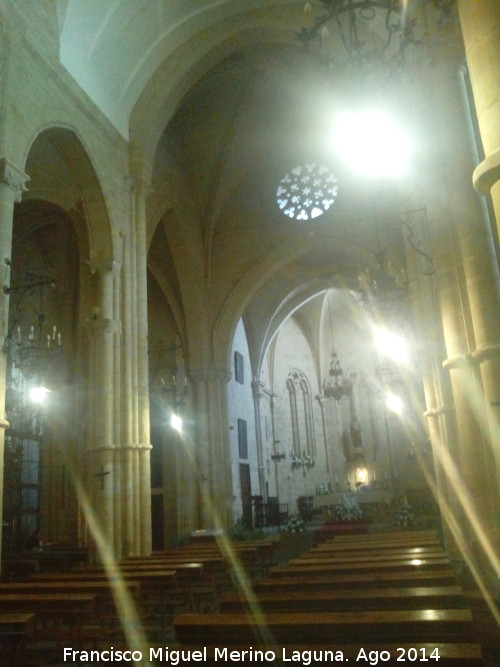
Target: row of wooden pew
[90,606]
[354,596]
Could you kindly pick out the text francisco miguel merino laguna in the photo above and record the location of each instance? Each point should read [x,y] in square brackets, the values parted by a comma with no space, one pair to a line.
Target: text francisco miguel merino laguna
[305,657]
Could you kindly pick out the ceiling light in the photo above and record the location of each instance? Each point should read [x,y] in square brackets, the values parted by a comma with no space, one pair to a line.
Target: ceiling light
[371,144]
[394,403]
[176,422]
[38,394]
[391,345]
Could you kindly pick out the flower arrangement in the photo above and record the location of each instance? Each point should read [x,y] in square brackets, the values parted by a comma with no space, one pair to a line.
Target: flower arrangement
[404,516]
[348,509]
[294,524]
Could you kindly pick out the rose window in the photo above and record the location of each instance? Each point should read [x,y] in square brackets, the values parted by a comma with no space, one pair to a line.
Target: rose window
[307,192]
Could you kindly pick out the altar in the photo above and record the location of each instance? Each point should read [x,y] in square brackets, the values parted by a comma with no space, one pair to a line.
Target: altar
[376,497]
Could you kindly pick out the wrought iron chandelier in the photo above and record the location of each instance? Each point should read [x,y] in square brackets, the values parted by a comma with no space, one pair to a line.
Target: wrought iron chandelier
[384,293]
[338,386]
[369,34]
[31,351]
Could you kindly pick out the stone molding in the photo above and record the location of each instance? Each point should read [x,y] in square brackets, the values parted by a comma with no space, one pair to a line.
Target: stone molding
[13,177]
[488,352]
[438,412]
[117,448]
[487,173]
[473,358]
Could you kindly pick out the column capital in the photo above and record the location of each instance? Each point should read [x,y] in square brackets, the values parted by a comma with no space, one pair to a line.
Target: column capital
[13,177]
[103,266]
[487,173]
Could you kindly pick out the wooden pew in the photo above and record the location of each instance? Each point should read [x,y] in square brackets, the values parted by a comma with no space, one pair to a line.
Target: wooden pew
[415,597]
[330,566]
[59,616]
[193,582]
[446,625]
[102,589]
[387,556]
[341,550]
[297,579]
[15,630]
[159,587]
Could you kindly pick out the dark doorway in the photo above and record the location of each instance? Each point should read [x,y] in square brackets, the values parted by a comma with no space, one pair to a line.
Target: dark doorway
[246,494]
[157,521]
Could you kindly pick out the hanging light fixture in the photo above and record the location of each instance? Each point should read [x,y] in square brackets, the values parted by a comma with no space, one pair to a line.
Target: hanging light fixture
[384,291]
[364,36]
[338,386]
[31,351]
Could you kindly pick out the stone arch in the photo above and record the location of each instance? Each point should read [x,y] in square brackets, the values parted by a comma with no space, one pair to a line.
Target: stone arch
[261,273]
[162,95]
[71,183]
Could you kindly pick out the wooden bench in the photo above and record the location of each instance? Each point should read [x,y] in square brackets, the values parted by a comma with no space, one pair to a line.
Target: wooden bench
[342,557]
[324,566]
[160,589]
[15,630]
[447,625]
[341,549]
[415,597]
[58,615]
[297,579]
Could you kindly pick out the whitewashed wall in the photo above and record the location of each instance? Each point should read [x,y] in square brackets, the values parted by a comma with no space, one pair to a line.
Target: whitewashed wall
[241,406]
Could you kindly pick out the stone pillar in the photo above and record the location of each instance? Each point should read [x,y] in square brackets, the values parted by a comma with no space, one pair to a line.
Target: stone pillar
[480,22]
[144,449]
[322,404]
[12,184]
[212,450]
[256,385]
[468,294]
[99,458]
[134,452]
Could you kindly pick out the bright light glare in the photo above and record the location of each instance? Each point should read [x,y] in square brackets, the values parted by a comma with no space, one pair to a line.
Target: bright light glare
[362,475]
[371,143]
[416,561]
[391,345]
[394,403]
[38,394]
[176,422]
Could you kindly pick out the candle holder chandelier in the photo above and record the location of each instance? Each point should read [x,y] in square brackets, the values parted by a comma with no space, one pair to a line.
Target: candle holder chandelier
[30,347]
[384,291]
[365,35]
[338,386]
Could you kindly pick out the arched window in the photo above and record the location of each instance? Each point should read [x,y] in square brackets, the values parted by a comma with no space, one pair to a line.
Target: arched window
[301,413]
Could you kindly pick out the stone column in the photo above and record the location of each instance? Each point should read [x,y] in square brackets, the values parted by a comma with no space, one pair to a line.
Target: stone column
[480,22]
[212,450]
[99,458]
[144,444]
[322,404]
[468,294]
[12,184]
[256,385]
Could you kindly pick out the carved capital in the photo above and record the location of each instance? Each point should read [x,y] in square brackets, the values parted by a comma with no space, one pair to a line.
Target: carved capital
[104,266]
[13,178]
